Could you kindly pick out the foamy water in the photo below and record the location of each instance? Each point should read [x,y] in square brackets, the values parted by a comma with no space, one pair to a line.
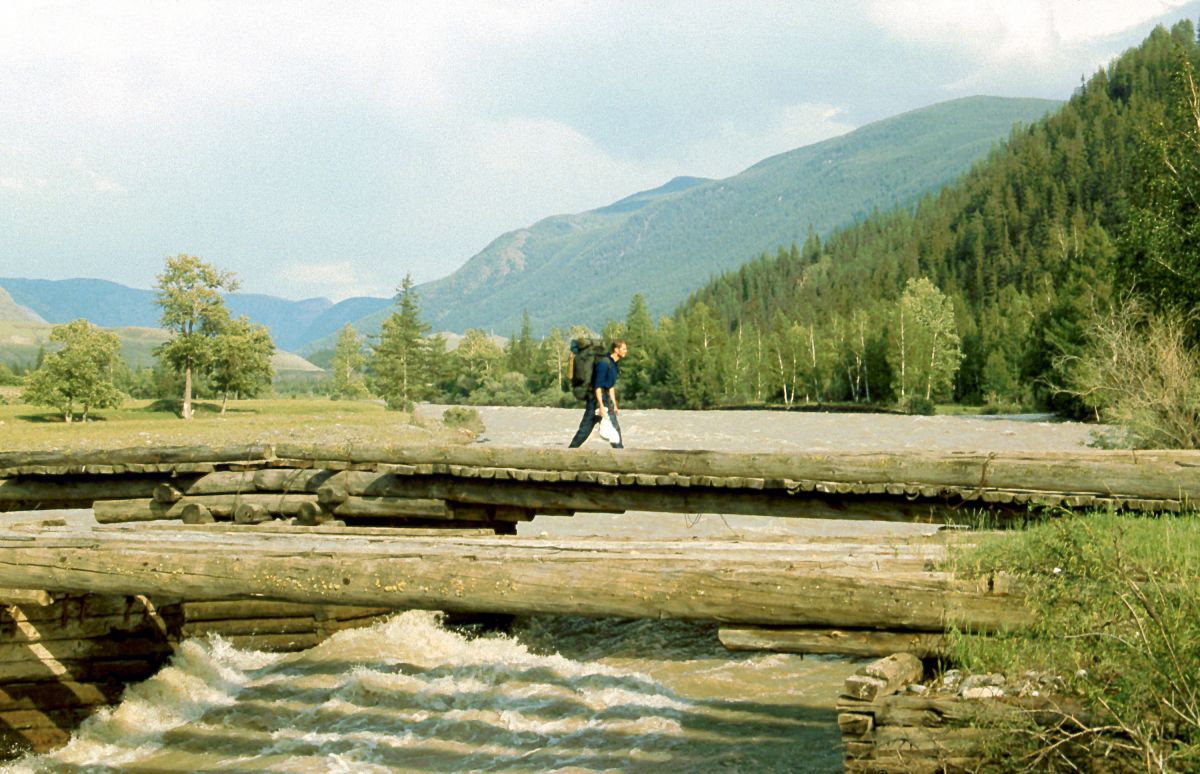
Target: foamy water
[552,694]
[408,694]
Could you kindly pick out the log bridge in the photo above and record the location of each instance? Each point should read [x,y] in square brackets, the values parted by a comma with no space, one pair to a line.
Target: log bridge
[279,546]
[421,527]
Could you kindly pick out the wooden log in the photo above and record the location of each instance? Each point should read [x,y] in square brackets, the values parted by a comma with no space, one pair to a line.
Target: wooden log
[81,670]
[855,724]
[1155,475]
[221,506]
[884,676]
[195,513]
[35,597]
[675,579]
[291,480]
[144,509]
[138,455]
[79,607]
[391,507]
[164,493]
[276,643]
[224,610]
[843,642]
[220,482]
[609,499]
[250,513]
[82,649]
[17,631]
[335,527]
[39,493]
[42,696]
[239,627]
[312,514]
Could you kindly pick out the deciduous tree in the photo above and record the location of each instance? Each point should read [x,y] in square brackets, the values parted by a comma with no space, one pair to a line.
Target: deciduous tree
[194,313]
[348,362]
[79,373]
[241,360]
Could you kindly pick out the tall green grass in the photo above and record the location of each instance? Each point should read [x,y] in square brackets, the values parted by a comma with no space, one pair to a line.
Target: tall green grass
[1117,606]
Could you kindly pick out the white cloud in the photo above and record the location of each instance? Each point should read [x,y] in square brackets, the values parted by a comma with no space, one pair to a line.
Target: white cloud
[336,280]
[737,146]
[1027,31]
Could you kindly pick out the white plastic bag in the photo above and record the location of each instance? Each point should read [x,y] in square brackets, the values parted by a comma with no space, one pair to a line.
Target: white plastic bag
[608,431]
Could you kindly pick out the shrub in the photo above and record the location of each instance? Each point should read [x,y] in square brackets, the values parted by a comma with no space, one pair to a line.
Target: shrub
[464,417]
[1139,371]
[918,404]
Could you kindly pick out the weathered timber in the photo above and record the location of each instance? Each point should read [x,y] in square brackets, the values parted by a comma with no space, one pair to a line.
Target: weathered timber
[676,579]
[195,513]
[884,676]
[392,507]
[220,506]
[33,493]
[276,643]
[168,455]
[225,610]
[35,597]
[1158,475]
[41,696]
[843,642]
[312,514]
[329,528]
[618,499]
[89,669]
[251,513]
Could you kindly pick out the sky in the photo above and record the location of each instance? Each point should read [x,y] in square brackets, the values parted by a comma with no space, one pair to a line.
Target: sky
[331,148]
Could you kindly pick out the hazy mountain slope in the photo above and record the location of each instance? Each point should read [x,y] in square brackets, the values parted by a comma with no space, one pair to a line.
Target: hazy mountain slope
[111,305]
[667,242]
[11,311]
[21,340]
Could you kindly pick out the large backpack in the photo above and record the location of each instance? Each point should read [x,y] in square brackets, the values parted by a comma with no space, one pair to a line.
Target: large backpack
[582,364]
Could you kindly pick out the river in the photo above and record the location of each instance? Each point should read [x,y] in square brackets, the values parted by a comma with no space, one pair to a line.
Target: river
[550,694]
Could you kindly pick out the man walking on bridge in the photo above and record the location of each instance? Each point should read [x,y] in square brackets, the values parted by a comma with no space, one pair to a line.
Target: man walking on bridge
[602,400]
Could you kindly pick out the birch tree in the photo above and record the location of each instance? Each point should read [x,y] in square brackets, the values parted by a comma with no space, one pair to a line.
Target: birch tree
[925,349]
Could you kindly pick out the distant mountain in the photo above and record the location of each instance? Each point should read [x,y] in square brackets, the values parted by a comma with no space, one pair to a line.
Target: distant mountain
[669,241]
[110,305]
[21,340]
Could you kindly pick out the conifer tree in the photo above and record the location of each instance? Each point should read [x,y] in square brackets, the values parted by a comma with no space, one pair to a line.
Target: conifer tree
[399,363]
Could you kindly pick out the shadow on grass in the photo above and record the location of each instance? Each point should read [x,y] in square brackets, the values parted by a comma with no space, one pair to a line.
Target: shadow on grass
[175,406]
[56,418]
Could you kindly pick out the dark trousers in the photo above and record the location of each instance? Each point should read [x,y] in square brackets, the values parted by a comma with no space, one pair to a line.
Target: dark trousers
[591,419]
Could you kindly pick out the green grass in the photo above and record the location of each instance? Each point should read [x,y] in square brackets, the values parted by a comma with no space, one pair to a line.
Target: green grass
[1117,607]
[156,423]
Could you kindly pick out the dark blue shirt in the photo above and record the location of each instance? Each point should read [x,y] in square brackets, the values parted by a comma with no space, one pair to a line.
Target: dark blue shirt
[604,376]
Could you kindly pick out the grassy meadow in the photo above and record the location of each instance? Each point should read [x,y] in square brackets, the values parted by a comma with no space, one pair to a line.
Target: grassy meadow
[157,423]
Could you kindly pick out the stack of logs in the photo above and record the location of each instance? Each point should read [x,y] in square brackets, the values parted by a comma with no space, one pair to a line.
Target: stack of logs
[892,723]
[62,657]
